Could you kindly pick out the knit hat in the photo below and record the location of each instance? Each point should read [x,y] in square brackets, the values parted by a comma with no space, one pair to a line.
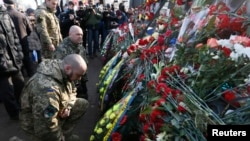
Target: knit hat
[9,1]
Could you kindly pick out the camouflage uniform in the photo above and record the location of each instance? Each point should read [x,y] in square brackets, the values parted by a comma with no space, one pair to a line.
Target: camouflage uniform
[48,28]
[68,47]
[46,94]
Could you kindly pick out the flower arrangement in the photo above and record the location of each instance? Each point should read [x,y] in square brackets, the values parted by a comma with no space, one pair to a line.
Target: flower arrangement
[118,39]
[175,85]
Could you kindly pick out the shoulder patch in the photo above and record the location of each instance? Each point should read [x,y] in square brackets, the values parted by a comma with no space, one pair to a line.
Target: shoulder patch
[50,91]
[50,111]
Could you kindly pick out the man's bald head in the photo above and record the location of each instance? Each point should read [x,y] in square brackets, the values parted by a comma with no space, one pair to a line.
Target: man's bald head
[75,34]
[74,28]
[74,66]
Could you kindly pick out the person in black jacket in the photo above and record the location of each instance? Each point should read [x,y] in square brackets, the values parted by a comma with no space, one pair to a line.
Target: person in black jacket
[80,14]
[67,19]
[109,20]
[34,40]
[11,78]
[23,28]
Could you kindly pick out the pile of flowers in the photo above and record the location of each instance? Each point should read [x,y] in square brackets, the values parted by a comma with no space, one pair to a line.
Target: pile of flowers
[118,39]
[171,85]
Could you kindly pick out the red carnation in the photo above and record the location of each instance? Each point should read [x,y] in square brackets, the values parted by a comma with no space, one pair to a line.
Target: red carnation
[116,136]
[181,109]
[161,40]
[226,51]
[151,84]
[180,2]
[230,97]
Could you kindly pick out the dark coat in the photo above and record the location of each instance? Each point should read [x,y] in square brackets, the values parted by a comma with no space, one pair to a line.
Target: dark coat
[109,19]
[22,25]
[34,41]
[23,28]
[66,22]
[10,48]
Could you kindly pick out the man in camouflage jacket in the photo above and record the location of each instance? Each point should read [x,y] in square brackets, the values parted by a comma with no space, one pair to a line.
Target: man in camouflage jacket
[48,27]
[49,107]
[70,45]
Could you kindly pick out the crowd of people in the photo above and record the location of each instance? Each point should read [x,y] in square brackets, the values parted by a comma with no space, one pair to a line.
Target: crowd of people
[44,56]
[95,20]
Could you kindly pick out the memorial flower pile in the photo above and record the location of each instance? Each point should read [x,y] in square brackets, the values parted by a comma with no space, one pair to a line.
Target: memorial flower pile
[170,86]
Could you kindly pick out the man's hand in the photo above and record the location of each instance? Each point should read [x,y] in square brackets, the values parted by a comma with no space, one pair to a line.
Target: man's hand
[51,47]
[71,17]
[64,113]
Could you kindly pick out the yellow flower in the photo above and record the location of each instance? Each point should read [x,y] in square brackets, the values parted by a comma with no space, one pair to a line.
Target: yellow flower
[99,131]
[102,122]
[92,138]
[112,116]
[106,82]
[101,90]
[116,107]
[102,72]
[108,113]
[108,125]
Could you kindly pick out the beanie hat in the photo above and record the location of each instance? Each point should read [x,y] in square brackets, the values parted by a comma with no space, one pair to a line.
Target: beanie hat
[9,1]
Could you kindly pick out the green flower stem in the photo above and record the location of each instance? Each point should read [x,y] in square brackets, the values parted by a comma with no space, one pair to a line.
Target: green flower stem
[195,99]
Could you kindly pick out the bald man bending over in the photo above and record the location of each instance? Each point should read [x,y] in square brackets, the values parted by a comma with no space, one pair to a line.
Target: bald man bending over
[49,106]
[70,45]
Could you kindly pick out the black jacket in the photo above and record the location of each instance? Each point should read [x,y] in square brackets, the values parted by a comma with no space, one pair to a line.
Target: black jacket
[10,48]
[66,22]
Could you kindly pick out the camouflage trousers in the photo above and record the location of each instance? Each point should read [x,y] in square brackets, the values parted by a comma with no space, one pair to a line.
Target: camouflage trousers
[67,125]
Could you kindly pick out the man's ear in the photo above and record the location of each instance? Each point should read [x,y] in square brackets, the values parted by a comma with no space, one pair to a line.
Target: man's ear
[67,68]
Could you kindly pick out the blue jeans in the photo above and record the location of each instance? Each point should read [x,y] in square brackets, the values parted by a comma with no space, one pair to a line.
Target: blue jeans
[93,35]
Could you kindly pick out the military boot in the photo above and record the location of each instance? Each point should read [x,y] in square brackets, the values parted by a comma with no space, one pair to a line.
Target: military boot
[73,137]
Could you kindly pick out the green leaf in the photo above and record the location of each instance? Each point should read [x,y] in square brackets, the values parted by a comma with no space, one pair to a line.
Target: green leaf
[182,132]
[210,26]
[175,123]
[147,110]
[169,106]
